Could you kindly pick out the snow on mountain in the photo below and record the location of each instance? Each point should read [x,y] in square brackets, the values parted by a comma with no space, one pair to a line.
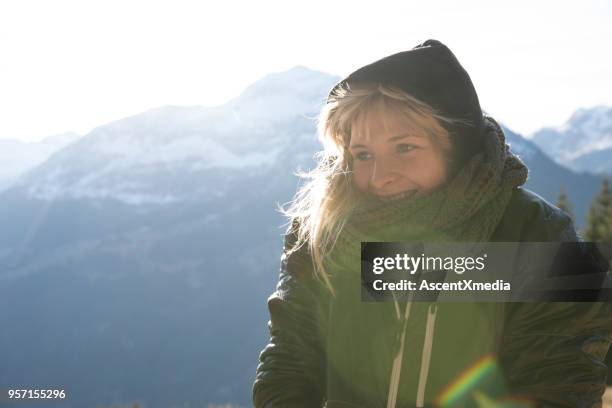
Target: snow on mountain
[17,157]
[300,86]
[587,131]
[175,153]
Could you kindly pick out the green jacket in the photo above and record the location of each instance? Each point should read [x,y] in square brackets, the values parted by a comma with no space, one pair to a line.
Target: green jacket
[549,353]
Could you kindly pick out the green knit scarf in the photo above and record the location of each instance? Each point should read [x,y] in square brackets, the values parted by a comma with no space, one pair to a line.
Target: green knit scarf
[468,208]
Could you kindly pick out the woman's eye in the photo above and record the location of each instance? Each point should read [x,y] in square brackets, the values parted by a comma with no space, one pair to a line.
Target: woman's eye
[362,156]
[404,148]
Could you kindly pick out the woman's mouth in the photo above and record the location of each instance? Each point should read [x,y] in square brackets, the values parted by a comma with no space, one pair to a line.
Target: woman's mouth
[399,196]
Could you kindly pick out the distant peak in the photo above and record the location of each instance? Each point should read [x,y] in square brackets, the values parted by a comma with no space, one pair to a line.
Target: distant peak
[294,83]
[297,72]
[581,113]
[298,68]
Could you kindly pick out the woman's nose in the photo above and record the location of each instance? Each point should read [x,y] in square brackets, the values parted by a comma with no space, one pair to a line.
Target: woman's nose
[381,176]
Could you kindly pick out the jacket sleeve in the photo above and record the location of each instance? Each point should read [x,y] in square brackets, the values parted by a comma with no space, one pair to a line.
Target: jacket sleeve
[553,352]
[291,369]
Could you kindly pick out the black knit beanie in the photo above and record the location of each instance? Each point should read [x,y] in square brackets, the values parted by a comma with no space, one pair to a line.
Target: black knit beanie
[431,72]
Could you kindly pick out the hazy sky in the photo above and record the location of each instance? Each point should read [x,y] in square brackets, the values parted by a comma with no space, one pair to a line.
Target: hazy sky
[74,65]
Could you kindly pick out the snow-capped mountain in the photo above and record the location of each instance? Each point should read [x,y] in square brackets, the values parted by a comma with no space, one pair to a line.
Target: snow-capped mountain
[17,157]
[299,90]
[162,155]
[583,143]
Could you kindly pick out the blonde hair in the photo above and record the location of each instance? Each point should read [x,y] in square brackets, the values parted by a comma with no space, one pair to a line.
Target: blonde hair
[319,209]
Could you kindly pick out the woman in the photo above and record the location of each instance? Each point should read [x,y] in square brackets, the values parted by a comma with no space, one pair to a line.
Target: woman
[409,155]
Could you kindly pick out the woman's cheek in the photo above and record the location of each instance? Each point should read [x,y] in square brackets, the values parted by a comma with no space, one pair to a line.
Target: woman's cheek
[434,171]
[360,178]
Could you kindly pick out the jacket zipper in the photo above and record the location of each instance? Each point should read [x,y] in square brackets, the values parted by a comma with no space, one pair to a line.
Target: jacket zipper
[425,356]
[397,361]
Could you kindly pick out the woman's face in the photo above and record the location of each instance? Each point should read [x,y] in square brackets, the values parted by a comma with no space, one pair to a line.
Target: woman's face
[393,162]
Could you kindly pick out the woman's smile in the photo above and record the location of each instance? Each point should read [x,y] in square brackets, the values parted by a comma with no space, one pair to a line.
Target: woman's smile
[397,196]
